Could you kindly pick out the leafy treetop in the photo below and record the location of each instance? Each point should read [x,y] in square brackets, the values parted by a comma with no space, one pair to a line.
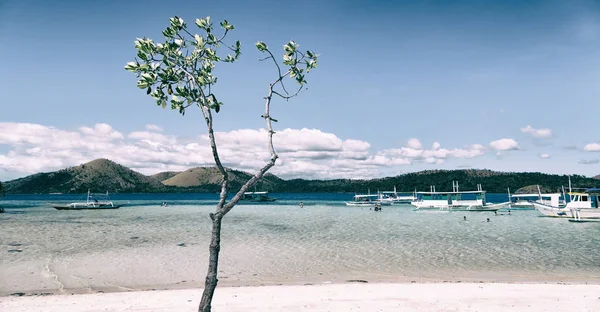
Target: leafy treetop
[179,71]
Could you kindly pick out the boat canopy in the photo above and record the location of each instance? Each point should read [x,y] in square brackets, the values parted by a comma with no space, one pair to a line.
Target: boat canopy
[535,195]
[593,191]
[256,193]
[451,193]
[366,196]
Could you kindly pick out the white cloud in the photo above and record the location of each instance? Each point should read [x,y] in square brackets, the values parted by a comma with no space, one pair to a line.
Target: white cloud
[543,133]
[152,127]
[504,145]
[592,147]
[305,153]
[435,155]
[544,156]
[414,144]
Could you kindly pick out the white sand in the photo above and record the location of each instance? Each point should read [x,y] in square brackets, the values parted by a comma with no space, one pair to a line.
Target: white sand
[332,297]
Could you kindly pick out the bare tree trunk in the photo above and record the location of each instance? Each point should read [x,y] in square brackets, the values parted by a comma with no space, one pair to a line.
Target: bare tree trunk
[210,283]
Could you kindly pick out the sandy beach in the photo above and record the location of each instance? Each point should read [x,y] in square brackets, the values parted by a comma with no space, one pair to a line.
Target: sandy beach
[331,297]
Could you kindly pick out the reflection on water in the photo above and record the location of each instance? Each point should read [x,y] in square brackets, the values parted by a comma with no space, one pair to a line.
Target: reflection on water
[151,246]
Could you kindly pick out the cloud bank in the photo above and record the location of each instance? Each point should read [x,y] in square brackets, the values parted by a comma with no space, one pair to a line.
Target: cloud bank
[27,148]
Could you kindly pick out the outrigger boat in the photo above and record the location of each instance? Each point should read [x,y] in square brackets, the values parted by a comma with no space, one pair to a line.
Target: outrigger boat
[257,197]
[367,200]
[581,206]
[395,198]
[93,201]
[456,200]
[525,201]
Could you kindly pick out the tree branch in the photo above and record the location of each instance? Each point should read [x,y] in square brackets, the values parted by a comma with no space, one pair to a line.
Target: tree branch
[225,209]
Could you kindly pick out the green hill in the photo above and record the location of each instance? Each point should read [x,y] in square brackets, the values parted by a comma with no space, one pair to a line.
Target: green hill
[99,175]
[104,175]
[491,181]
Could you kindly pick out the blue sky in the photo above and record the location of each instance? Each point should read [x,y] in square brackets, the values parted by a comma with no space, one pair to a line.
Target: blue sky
[401,86]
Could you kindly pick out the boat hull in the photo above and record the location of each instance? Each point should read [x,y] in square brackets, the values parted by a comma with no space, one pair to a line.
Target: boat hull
[487,207]
[555,212]
[368,204]
[69,207]
[268,200]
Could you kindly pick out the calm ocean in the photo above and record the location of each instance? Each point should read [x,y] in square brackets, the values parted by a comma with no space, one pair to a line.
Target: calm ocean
[146,246]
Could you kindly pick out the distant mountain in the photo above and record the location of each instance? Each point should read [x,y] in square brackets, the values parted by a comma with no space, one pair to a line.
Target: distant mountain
[491,181]
[533,189]
[597,177]
[99,175]
[104,175]
[202,177]
[161,176]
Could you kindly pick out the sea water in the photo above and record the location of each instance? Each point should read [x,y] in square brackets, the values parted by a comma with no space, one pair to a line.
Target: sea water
[147,246]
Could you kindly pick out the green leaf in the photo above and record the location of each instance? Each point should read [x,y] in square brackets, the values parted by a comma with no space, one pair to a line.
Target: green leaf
[225,24]
[142,55]
[261,46]
[132,66]
[199,40]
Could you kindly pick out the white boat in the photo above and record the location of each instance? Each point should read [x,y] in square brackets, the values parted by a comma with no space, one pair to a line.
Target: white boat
[581,206]
[93,201]
[367,200]
[525,201]
[395,198]
[257,197]
[456,200]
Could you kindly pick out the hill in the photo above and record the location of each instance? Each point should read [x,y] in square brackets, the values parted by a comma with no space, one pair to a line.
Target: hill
[209,178]
[99,175]
[491,181]
[104,175]
[161,176]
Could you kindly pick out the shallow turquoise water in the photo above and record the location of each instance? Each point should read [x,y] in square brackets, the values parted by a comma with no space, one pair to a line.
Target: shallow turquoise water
[137,247]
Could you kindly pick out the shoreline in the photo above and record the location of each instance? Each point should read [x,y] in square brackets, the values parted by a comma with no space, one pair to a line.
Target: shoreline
[224,283]
[237,284]
[331,297]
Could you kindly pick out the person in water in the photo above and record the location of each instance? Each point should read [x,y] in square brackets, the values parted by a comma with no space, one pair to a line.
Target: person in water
[488,219]
[377,207]
[301,205]
[465,218]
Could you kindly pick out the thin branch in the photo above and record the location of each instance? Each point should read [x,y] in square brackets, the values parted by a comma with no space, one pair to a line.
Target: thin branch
[225,209]
[278,71]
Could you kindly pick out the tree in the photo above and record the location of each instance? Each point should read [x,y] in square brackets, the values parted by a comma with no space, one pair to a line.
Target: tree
[179,72]
[1,195]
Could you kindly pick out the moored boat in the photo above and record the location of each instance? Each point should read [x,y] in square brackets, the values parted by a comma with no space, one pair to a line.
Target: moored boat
[581,205]
[257,197]
[93,201]
[397,198]
[367,200]
[525,201]
[456,200]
